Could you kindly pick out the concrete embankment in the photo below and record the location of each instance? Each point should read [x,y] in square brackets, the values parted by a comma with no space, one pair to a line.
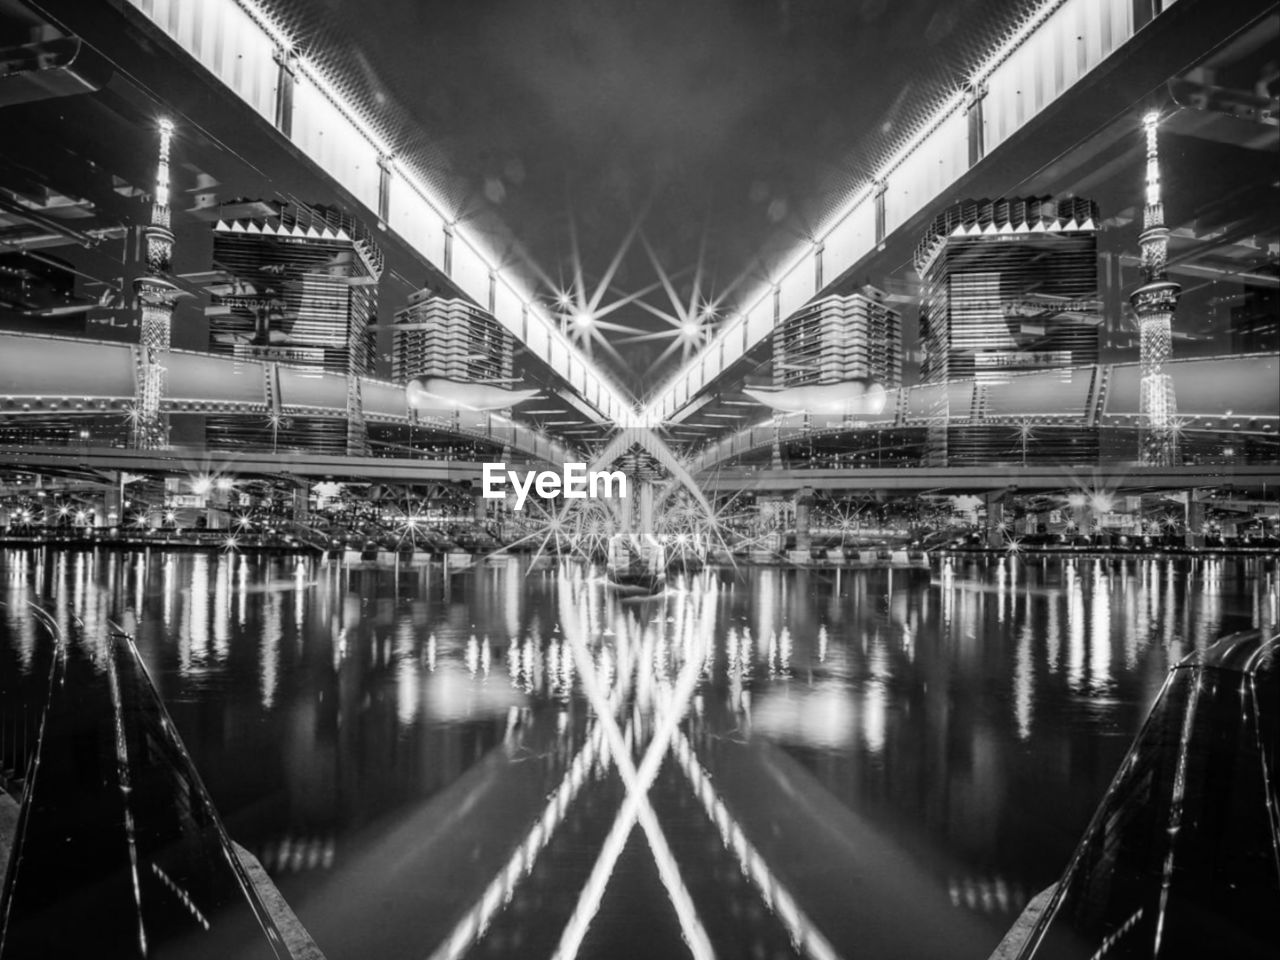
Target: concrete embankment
[1022,927]
[296,938]
[8,827]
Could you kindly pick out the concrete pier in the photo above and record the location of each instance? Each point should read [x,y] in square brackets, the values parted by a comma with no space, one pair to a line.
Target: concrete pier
[1022,927]
[296,938]
[8,827]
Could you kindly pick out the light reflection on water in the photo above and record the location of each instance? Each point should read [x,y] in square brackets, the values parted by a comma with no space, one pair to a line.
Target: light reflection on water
[969,720]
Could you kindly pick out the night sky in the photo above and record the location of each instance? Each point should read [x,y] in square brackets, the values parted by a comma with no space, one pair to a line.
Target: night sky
[735,127]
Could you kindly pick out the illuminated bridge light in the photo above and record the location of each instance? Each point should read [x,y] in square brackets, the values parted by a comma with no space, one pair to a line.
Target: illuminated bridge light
[355,145]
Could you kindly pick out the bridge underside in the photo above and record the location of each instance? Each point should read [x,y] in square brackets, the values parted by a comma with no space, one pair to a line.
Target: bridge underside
[82,173]
[1223,210]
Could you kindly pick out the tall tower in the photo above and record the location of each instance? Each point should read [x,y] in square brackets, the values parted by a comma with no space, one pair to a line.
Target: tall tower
[156,293]
[1154,303]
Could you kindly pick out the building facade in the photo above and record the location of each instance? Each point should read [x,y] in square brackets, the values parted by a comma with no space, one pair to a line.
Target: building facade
[1009,286]
[297,285]
[450,338]
[1255,320]
[855,336]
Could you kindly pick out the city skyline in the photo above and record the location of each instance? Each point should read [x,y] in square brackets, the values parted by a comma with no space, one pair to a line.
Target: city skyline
[639,481]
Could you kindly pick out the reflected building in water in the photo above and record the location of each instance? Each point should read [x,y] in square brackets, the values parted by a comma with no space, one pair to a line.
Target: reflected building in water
[968,720]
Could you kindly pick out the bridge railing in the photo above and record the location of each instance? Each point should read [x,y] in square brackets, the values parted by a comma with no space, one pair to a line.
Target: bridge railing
[66,376]
[1234,396]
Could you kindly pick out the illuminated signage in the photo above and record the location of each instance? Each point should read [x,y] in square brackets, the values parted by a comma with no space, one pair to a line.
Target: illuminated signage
[1012,359]
[250,351]
[1032,307]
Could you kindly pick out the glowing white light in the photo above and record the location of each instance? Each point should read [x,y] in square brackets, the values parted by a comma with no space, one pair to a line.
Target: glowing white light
[609,400]
[636,808]
[665,397]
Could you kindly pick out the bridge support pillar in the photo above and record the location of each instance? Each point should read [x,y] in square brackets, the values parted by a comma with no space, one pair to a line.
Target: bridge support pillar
[773,518]
[995,521]
[644,491]
[627,512]
[804,505]
[975,93]
[302,503]
[218,510]
[287,64]
[109,515]
[1194,536]
[1082,518]
[112,512]
[480,506]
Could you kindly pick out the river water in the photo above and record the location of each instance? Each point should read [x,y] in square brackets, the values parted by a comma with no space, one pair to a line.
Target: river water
[509,762]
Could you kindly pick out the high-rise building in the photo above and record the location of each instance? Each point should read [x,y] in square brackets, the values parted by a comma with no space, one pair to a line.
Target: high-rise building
[298,285]
[449,337]
[855,336]
[1010,286]
[1255,320]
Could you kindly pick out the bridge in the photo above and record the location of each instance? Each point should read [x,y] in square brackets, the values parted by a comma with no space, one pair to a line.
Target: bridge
[100,464]
[1038,115]
[1229,397]
[1236,396]
[104,462]
[1111,478]
[87,380]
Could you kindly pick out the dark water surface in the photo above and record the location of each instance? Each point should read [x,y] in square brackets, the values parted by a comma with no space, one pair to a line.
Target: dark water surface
[866,764]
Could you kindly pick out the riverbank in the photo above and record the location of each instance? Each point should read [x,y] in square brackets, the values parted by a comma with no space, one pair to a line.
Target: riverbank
[865,557]
[296,938]
[175,542]
[9,809]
